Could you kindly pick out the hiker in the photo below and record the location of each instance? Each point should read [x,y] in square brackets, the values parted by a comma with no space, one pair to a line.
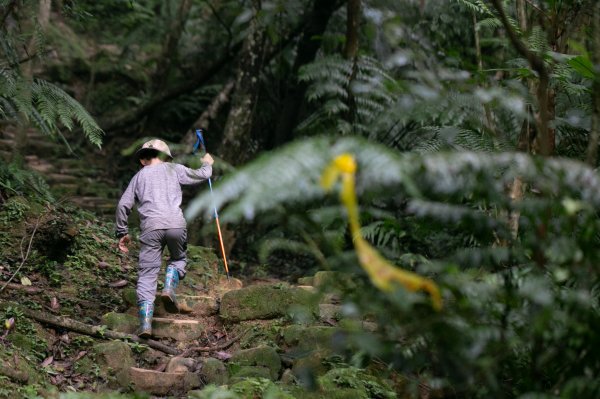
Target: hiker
[156,191]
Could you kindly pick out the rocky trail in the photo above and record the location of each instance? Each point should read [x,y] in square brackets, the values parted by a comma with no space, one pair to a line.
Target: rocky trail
[237,339]
[84,181]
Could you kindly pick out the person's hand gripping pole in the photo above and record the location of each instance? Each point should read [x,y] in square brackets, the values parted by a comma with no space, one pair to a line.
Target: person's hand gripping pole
[200,143]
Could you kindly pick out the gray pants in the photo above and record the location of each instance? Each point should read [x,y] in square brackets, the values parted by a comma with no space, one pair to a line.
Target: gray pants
[152,244]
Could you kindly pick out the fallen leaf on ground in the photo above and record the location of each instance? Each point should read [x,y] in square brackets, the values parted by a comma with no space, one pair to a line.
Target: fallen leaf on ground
[47,361]
[54,305]
[25,281]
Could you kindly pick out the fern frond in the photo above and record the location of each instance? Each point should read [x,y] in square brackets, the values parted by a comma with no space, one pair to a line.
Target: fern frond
[291,175]
[57,104]
[477,6]
[490,23]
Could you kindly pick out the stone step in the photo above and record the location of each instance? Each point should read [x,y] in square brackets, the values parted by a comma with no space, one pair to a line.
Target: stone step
[201,305]
[177,329]
[41,166]
[227,284]
[267,301]
[7,144]
[161,383]
[196,305]
[58,178]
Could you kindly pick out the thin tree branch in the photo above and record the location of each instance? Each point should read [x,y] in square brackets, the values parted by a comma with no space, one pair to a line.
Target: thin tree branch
[537,64]
[215,348]
[538,9]
[87,329]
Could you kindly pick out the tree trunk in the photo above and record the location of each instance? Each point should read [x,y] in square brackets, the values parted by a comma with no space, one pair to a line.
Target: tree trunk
[307,50]
[236,143]
[352,24]
[489,118]
[169,52]
[522,16]
[210,112]
[592,150]
[517,188]
[351,53]
[545,137]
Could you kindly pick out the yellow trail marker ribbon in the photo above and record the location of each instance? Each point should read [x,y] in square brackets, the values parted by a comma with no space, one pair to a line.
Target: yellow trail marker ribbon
[383,275]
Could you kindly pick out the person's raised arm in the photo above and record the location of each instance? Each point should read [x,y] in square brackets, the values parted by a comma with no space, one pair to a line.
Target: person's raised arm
[189,176]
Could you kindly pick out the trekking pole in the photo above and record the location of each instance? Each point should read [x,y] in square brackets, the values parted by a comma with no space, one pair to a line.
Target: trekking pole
[200,142]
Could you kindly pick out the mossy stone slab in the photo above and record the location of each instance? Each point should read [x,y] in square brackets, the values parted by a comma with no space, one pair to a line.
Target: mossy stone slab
[179,330]
[308,337]
[162,384]
[214,371]
[266,301]
[121,322]
[262,357]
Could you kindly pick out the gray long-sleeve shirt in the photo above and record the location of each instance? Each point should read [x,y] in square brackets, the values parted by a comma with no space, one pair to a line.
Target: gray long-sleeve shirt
[156,190]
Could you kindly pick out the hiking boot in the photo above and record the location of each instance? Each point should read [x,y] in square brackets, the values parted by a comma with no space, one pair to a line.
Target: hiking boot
[168,295]
[145,312]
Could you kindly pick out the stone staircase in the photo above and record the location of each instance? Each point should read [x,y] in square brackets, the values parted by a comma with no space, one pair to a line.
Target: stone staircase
[82,181]
[286,334]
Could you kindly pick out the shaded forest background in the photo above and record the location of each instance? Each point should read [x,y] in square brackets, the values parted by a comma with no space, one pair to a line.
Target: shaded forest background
[474,124]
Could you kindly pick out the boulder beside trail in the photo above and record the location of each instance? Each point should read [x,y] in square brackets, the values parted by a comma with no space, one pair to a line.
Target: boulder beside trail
[121,322]
[262,361]
[266,302]
[114,359]
[162,384]
[214,371]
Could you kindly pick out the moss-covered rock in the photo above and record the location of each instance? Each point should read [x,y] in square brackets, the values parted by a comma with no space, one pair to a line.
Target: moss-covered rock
[114,356]
[162,383]
[20,369]
[259,357]
[310,363]
[306,280]
[360,384]
[247,372]
[214,371]
[328,311]
[313,337]
[121,322]
[309,347]
[331,280]
[266,302]
[259,388]
[179,330]
[262,332]
[212,391]
[129,296]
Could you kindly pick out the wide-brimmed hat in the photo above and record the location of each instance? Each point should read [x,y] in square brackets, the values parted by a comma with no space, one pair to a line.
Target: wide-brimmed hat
[157,145]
